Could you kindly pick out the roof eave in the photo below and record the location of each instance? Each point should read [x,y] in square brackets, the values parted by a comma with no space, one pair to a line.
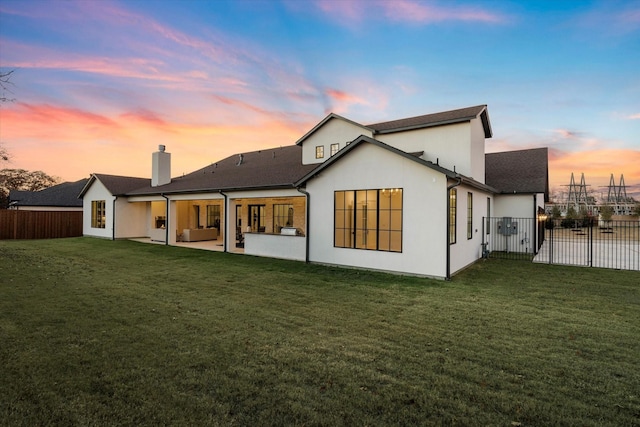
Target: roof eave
[215,190]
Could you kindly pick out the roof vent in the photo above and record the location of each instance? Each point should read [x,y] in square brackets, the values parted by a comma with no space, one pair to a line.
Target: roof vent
[240,159]
[161,148]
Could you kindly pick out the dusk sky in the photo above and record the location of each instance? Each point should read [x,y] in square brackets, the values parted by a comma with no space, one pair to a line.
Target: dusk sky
[98,85]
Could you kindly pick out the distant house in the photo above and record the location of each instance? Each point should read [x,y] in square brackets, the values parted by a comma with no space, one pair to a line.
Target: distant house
[53,212]
[61,197]
[406,196]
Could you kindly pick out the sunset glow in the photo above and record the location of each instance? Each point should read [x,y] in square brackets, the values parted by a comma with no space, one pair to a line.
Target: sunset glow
[98,85]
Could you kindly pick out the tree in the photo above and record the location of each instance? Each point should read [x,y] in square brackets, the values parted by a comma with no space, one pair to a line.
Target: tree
[20,179]
[4,154]
[606,212]
[5,80]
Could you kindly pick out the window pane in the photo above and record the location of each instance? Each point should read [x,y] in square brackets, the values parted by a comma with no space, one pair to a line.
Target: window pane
[383,240]
[396,199]
[339,238]
[396,220]
[385,199]
[385,220]
[339,198]
[396,241]
[348,199]
[372,219]
[340,219]
[372,239]
[360,239]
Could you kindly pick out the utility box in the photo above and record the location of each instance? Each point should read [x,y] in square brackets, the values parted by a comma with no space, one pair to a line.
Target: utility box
[507,226]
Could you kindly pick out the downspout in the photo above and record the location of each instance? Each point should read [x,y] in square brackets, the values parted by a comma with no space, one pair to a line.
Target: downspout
[166,223]
[226,222]
[307,216]
[113,221]
[449,188]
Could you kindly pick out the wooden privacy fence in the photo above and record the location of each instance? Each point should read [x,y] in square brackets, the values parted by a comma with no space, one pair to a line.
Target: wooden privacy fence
[17,224]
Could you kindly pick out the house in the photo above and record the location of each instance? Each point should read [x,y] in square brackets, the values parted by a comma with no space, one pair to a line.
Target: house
[406,196]
[53,212]
[61,197]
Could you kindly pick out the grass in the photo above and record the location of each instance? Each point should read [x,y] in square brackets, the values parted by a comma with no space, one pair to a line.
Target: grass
[96,332]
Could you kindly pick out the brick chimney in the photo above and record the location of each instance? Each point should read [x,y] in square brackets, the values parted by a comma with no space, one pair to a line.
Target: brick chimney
[161,167]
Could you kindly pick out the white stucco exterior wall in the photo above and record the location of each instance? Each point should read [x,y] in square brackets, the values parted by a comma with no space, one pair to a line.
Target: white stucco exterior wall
[334,131]
[516,205]
[466,251]
[448,145]
[131,219]
[424,212]
[477,151]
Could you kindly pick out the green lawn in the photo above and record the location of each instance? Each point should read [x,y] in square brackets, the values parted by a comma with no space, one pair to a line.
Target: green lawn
[96,332]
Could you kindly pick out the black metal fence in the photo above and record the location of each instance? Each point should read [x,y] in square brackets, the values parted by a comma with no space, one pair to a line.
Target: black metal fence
[511,238]
[589,243]
[605,244]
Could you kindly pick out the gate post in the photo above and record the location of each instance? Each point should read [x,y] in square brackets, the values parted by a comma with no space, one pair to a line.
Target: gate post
[551,245]
[590,243]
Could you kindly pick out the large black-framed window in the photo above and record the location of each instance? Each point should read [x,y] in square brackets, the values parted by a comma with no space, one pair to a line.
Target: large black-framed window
[453,209]
[368,219]
[469,215]
[488,226]
[98,213]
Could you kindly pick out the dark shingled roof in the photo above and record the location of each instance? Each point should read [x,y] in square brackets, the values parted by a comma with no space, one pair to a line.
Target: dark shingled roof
[436,119]
[116,184]
[522,171]
[271,168]
[61,195]
[120,185]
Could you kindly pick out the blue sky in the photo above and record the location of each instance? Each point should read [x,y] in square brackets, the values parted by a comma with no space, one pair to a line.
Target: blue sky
[99,84]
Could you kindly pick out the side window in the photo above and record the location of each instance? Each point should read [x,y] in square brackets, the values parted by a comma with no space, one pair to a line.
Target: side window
[453,202]
[98,213]
[320,152]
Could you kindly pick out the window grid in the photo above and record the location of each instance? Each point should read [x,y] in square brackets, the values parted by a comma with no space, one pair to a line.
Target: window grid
[488,226]
[319,151]
[469,215]
[453,201]
[98,213]
[368,219]
[335,148]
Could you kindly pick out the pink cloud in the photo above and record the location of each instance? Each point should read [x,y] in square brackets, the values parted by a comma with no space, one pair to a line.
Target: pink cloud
[350,12]
[338,95]
[426,13]
[633,117]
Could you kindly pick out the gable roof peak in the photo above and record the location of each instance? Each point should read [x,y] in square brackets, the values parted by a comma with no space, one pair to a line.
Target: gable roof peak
[329,117]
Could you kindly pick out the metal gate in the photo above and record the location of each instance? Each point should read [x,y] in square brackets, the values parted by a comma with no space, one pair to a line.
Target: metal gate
[588,243]
[510,238]
[610,244]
